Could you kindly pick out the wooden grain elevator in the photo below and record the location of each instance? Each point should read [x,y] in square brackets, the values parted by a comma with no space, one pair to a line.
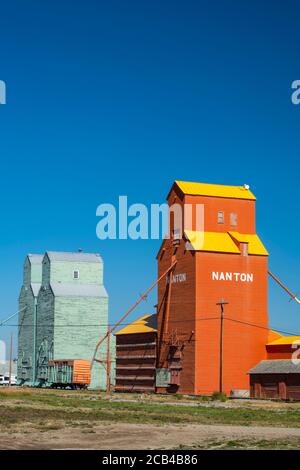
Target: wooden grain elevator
[222,265]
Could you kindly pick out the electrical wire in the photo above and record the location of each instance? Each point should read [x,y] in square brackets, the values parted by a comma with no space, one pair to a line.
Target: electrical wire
[79,325]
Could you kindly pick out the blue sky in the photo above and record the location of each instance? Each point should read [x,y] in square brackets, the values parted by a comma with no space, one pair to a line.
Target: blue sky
[113,98]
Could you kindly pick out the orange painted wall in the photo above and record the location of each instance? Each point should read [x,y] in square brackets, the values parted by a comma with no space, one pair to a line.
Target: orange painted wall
[243,345]
[245,210]
[193,310]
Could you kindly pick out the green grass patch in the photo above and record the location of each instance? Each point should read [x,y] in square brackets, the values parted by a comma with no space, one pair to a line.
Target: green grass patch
[33,405]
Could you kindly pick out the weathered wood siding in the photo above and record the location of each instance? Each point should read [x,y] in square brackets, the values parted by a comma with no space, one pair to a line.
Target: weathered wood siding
[62,271]
[32,275]
[135,362]
[45,331]
[276,386]
[79,323]
[25,334]
[71,326]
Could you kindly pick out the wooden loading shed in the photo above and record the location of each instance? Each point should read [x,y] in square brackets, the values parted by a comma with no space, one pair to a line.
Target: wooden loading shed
[277,379]
[136,356]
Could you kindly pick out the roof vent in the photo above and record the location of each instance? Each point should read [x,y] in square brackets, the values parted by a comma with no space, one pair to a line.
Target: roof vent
[246,186]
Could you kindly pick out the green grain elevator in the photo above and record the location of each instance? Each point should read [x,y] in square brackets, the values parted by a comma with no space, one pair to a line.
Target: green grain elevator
[71,316]
[32,278]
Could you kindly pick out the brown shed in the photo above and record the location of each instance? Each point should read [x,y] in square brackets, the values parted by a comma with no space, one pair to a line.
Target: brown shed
[276,379]
[136,356]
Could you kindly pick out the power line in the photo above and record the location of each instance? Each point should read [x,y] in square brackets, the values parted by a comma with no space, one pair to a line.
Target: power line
[78,325]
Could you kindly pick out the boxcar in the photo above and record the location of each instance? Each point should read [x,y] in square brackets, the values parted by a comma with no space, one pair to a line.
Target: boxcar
[73,373]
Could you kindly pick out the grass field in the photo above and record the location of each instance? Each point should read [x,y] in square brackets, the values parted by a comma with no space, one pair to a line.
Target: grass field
[25,412]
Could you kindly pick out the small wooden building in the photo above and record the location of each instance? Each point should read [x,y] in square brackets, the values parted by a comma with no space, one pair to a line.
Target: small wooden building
[136,356]
[277,379]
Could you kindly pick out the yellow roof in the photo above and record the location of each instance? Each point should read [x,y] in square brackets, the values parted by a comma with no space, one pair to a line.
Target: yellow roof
[284,340]
[255,246]
[145,324]
[223,242]
[216,190]
[211,241]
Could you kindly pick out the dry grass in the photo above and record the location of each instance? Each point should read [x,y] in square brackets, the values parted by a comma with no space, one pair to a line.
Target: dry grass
[31,405]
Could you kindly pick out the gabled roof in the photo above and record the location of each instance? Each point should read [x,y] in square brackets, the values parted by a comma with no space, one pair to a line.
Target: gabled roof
[288,340]
[276,366]
[224,242]
[145,324]
[214,190]
[74,256]
[78,290]
[255,246]
[35,258]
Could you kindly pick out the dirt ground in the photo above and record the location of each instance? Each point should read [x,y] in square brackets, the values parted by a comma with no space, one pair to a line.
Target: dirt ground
[132,436]
[41,419]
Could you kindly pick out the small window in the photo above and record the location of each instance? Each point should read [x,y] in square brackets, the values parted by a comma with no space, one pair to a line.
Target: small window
[76,275]
[220,217]
[244,249]
[233,219]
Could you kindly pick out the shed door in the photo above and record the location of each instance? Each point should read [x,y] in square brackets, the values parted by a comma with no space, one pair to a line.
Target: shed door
[270,389]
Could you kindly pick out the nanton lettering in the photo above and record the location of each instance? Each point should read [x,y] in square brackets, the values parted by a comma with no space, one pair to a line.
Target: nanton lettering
[234,277]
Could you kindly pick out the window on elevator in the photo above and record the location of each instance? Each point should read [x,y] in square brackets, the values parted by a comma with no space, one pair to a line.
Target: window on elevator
[233,219]
[76,274]
[244,249]
[220,217]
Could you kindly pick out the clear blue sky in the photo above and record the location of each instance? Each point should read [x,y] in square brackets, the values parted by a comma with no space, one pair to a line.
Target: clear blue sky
[109,98]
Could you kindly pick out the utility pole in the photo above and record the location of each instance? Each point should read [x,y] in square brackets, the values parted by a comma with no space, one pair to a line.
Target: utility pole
[10,360]
[108,362]
[221,302]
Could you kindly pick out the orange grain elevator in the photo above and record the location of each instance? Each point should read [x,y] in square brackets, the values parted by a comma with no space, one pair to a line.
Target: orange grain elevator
[220,259]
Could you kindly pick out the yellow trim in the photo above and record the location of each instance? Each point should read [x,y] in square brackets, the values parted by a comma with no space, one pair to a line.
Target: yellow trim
[211,241]
[284,340]
[224,242]
[138,326]
[215,190]
[255,246]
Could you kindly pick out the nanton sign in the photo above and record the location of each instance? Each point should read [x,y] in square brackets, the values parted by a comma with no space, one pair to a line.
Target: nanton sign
[217,276]
[181,277]
[228,276]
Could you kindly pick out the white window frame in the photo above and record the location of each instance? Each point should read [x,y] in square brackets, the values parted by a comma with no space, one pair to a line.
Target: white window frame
[78,274]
